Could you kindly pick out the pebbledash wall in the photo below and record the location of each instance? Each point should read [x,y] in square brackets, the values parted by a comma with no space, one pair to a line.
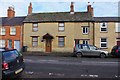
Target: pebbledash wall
[79,27]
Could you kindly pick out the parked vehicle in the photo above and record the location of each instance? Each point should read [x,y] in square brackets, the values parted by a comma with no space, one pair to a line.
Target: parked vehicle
[12,63]
[89,50]
[116,51]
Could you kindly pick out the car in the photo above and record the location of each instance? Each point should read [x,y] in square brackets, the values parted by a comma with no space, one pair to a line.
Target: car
[89,50]
[116,51]
[12,63]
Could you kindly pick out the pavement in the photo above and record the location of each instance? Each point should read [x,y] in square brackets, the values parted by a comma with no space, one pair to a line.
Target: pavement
[57,54]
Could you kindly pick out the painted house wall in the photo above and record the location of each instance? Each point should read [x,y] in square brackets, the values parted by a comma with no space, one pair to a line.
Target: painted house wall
[111,35]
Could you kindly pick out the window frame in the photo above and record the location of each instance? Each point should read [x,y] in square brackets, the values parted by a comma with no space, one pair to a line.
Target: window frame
[3,31]
[85,42]
[61,41]
[3,42]
[103,43]
[34,28]
[117,27]
[61,25]
[34,41]
[12,31]
[103,27]
[85,29]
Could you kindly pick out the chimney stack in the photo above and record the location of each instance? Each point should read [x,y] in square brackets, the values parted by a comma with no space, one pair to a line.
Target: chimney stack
[90,9]
[11,12]
[72,8]
[30,9]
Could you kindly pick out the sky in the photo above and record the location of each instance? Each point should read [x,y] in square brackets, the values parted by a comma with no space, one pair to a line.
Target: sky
[102,8]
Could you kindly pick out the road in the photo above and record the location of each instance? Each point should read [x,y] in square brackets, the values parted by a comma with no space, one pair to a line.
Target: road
[71,67]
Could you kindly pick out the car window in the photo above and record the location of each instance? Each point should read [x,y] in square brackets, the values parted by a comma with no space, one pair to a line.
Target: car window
[85,47]
[92,47]
[115,47]
[79,46]
[119,47]
[10,55]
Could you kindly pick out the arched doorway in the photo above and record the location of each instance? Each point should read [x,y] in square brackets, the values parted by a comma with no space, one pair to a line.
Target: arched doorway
[48,42]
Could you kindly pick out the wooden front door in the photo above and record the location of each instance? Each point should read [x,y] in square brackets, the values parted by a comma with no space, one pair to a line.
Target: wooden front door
[48,45]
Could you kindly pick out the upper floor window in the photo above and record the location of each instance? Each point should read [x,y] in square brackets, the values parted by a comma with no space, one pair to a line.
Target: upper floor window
[35,27]
[61,27]
[103,27]
[85,30]
[2,31]
[103,42]
[117,27]
[12,31]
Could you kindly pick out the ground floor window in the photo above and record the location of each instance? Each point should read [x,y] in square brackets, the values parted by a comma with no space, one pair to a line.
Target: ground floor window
[35,41]
[61,41]
[85,41]
[103,42]
[2,43]
[9,44]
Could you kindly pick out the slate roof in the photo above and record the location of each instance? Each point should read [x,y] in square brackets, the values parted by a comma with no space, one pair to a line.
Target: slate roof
[5,21]
[107,19]
[59,16]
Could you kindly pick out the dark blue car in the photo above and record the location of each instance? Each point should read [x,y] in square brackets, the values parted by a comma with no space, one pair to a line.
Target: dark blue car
[116,51]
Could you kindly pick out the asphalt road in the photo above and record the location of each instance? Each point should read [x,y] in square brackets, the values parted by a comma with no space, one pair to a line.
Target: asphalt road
[71,67]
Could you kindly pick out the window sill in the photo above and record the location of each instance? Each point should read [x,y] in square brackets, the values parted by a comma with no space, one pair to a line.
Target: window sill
[61,46]
[103,47]
[12,35]
[103,31]
[85,33]
[61,31]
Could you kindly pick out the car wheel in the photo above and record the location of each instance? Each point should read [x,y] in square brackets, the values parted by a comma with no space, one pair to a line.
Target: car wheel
[102,55]
[79,54]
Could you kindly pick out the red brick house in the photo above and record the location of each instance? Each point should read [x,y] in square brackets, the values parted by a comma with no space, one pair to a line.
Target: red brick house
[11,30]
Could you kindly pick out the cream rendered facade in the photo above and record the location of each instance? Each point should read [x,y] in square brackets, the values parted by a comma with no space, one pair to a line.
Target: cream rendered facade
[111,35]
[73,30]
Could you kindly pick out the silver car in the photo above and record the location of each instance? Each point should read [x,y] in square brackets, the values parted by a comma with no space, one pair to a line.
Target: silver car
[89,50]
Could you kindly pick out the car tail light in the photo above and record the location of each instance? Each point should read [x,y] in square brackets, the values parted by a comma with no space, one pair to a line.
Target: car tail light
[5,65]
[116,51]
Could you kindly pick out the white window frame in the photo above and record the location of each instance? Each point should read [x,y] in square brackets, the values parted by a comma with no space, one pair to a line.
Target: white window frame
[85,42]
[12,30]
[102,26]
[86,30]
[61,26]
[35,27]
[35,42]
[2,43]
[117,27]
[103,43]
[2,31]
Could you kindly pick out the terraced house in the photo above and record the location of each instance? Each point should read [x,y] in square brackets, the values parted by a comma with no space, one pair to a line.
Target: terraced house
[61,31]
[11,30]
[106,32]
[57,31]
